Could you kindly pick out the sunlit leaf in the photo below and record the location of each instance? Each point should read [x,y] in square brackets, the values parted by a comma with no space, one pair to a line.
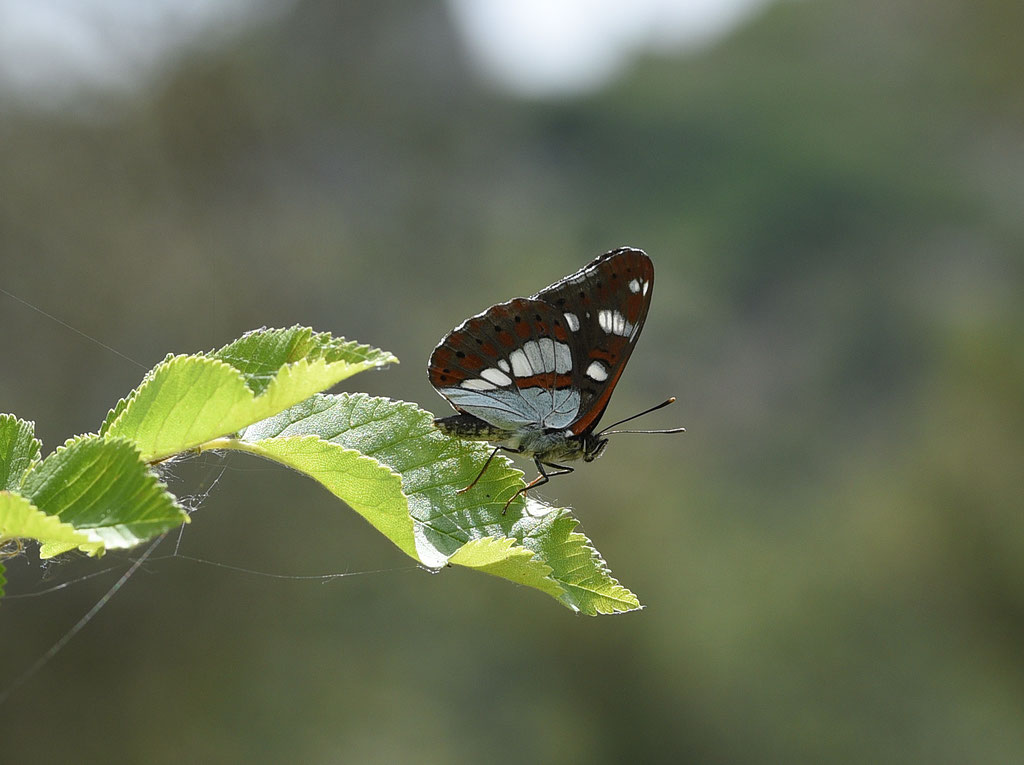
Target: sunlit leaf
[539,548]
[384,458]
[102,488]
[20,519]
[188,400]
[509,560]
[19,448]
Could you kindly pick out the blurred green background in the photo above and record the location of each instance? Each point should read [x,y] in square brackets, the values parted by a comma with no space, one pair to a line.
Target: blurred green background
[832,557]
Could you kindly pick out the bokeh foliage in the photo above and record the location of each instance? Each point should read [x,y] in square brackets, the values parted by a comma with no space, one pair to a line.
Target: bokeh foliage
[832,200]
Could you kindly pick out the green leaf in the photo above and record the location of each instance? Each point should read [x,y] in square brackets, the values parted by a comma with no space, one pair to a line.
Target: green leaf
[102,487]
[186,401]
[258,394]
[519,546]
[19,448]
[260,354]
[577,565]
[504,558]
[20,519]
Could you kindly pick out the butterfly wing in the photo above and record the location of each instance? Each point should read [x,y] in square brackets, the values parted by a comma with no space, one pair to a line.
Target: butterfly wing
[511,366]
[604,306]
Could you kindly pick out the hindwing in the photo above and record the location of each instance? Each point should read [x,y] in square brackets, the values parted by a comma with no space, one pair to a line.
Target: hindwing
[511,365]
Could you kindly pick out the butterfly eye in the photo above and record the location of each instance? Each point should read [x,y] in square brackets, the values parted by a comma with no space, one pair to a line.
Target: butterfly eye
[596,450]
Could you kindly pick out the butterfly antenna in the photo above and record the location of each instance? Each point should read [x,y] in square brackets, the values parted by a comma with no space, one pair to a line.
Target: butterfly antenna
[608,430]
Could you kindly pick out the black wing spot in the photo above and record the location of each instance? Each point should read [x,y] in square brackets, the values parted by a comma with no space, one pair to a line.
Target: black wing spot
[460,354]
[518,319]
[560,301]
[479,341]
[497,328]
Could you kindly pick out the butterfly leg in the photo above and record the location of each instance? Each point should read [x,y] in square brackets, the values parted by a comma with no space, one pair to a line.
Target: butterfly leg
[483,469]
[540,480]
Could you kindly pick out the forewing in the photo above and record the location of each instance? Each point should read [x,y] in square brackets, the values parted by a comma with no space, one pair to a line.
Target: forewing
[603,306]
[511,365]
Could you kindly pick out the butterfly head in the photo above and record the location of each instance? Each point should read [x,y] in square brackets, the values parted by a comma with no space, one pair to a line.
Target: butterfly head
[593,445]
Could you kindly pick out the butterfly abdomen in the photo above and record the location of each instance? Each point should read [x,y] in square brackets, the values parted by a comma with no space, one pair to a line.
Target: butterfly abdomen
[471,428]
[528,441]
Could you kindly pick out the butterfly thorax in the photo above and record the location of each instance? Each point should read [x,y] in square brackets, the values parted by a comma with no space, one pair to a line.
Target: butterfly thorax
[546,444]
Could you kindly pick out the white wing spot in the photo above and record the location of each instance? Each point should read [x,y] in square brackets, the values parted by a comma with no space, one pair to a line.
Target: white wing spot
[532,351]
[619,324]
[563,358]
[475,384]
[596,371]
[634,285]
[573,321]
[547,352]
[520,364]
[614,323]
[504,366]
[647,286]
[496,376]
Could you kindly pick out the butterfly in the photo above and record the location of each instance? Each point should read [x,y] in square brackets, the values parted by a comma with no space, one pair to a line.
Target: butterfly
[533,376]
